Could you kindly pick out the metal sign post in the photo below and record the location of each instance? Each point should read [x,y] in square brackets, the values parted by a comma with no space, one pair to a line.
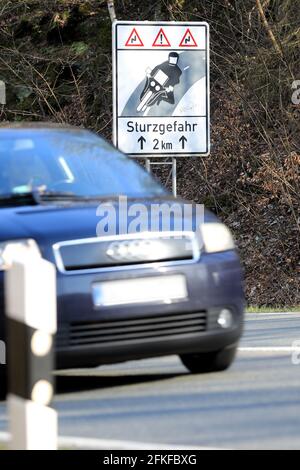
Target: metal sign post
[111,10]
[173,162]
[161,90]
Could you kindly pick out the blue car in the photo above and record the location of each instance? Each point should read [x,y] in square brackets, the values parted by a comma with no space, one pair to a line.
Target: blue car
[128,286]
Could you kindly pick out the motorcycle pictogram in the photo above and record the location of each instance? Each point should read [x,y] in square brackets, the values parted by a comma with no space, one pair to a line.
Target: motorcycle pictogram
[160,83]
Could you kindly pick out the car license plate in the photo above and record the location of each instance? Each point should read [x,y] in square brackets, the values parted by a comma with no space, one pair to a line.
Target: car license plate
[166,289]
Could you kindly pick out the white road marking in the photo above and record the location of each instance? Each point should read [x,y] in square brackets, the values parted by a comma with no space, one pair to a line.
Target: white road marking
[72,442]
[112,444]
[287,349]
[261,314]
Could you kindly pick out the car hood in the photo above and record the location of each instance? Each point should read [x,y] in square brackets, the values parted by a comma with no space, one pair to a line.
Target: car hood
[48,224]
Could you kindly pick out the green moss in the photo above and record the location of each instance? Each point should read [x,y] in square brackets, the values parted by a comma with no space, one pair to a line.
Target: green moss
[79,47]
[23,92]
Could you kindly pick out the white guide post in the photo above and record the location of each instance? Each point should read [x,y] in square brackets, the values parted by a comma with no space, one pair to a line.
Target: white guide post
[30,302]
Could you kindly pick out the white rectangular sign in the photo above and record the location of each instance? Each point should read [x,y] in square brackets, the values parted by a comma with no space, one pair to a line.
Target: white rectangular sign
[161,88]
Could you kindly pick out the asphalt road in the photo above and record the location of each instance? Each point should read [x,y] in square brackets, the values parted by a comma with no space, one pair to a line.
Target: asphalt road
[253,405]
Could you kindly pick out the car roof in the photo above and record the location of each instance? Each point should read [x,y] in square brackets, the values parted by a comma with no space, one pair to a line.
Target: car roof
[27,129]
[38,125]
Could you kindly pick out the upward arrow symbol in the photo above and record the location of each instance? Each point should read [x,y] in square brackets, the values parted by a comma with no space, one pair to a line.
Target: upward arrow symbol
[183,140]
[142,140]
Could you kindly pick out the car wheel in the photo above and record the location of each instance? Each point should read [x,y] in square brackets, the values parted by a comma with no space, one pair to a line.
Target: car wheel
[3,383]
[209,362]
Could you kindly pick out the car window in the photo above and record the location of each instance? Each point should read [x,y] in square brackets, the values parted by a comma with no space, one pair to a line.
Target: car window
[81,165]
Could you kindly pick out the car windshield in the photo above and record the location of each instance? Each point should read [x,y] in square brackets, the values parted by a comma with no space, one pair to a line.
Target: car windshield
[58,162]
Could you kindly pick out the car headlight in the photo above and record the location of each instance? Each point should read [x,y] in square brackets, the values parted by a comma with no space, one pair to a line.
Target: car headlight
[216,237]
[4,255]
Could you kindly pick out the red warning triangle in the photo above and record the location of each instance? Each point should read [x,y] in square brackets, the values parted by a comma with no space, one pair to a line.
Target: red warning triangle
[188,40]
[161,39]
[134,39]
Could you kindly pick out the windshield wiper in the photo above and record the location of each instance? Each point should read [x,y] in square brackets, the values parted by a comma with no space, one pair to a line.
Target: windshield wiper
[39,196]
[35,197]
[70,197]
[48,194]
[66,196]
[19,199]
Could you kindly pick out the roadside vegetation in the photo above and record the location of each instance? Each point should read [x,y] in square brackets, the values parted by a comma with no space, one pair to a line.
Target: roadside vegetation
[273,309]
[55,57]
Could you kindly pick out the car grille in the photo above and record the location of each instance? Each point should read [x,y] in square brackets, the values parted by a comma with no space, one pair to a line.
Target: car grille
[125,250]
[139,329]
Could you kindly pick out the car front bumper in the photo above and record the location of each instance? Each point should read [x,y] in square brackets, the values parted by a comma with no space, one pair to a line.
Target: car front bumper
[91,336]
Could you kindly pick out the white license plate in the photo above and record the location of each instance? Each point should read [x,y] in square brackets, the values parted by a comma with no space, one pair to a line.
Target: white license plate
[166,289]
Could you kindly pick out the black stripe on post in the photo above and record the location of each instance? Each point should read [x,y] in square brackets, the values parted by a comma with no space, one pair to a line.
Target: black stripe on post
[25,367]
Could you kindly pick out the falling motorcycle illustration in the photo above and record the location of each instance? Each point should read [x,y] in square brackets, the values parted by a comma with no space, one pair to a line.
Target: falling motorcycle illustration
[160,83]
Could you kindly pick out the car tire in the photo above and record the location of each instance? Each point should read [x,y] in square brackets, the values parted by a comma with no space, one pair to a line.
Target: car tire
[3,382]
[209,362]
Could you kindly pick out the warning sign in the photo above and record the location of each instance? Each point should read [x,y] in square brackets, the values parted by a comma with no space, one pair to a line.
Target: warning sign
[134,39]
[161,39]
[161,88]
[188,40]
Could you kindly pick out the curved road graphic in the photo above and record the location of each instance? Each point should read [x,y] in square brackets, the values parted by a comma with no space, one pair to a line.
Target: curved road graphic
[192,64]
